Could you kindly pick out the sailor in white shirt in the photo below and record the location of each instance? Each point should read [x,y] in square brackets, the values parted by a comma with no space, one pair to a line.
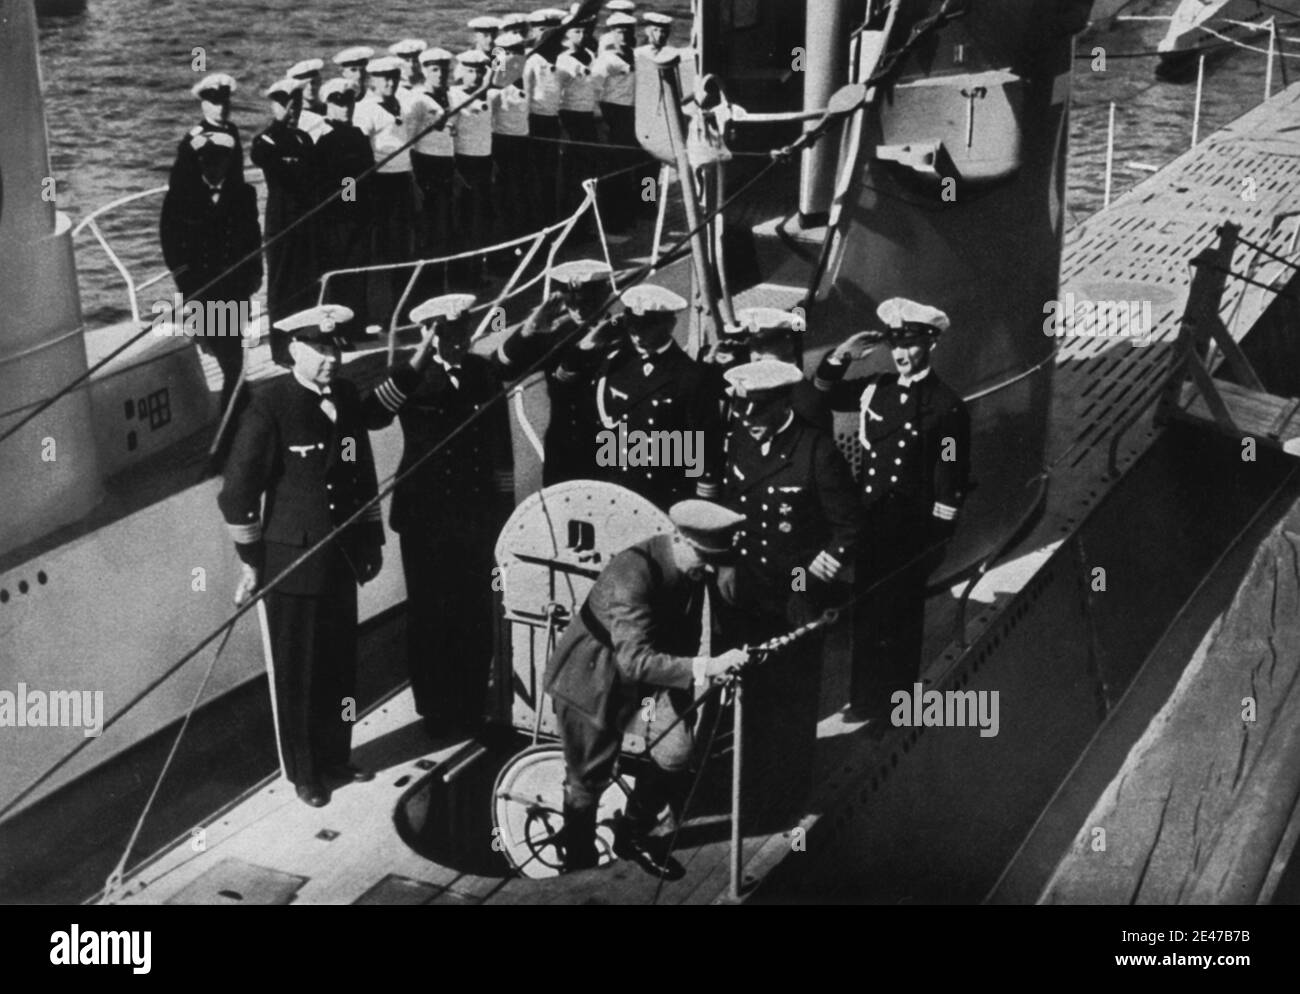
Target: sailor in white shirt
[657,28]
[433,157]
[473,157]
[511,150]
[390,119]
[615,74]
[542,87]
[408,50]
[583,157]
[485,33]
[352,66]
[308,71]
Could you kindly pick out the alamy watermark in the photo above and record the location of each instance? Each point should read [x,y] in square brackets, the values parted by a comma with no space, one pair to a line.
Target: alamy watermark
[179,318]
[920,708]
[1080,318]
[618,447]
[53,709]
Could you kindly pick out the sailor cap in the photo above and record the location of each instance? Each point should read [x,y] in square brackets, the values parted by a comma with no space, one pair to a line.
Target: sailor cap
[620,6]
[473,58]
[761,376]
[447,307]
[648,298]
[283,88]
[485,23]
[620,21]
[217,84]
[431,55]
[513,21]
[385,65]
[315,323]
[581,272]
[545,17]
[212,141]
[660,20]
[511,39]
[354,56]
[339,91]
[764,321]
[576,19]
[707,526]
[906,319]
[408,47]
[306,68]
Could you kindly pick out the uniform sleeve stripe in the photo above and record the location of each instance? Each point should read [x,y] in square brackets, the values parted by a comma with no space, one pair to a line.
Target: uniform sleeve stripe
[565,375]
[391,397]
[823,385]
[373,512]
[246,534]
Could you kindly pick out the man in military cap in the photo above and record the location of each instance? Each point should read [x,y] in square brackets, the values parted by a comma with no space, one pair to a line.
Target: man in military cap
[803,522]
[308,72]
[301,466]
[511,151]
[213,92]
[485,30]
[614,71]
[284,153]
[352,64]
[640,633]
[211,241]
[433,157]
[390,118]
[343,158]
[658,28]
[542,86]
[408,50]
[772,333]
[448,511]
[915,436]
[473,141]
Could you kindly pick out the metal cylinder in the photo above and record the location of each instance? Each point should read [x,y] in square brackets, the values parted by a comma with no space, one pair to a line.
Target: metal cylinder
[826,56]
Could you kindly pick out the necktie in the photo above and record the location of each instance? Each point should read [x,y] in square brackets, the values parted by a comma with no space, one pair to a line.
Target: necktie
[327,403]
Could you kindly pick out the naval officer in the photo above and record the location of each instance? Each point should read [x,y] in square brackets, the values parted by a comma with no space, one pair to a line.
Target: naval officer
[639,634]
[284,153]
[213,92]
[448,510]
[914,433]
[772,333]
[299,467]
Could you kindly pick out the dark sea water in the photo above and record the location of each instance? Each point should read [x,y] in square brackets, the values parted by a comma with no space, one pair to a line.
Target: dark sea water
[117,84]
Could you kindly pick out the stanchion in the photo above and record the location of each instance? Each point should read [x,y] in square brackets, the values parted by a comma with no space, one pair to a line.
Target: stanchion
[737,763]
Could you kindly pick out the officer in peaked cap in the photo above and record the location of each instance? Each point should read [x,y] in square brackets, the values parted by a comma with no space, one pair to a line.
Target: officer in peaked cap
[408,50]
[773,333]
[308,72]
[448,509]
[803,524]
[914,438]
[343,159]
[213,92]
[299,468]
[352,64]
[641,633]
[284,153]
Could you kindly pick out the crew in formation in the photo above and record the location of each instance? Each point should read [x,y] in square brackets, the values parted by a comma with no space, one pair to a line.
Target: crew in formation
[420,152]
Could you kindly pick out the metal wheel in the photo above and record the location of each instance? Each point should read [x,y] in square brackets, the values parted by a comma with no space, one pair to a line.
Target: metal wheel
[528,812]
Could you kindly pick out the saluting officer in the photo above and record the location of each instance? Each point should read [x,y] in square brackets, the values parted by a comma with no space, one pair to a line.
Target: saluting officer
[543,89]
[473,159]
[448,511]
[211,241]
[915,436]
[213,92]
[312,117]
[802,527]
[614,71]
[299,467]
[284,153]
[640,633]
[344,157]
[511,151]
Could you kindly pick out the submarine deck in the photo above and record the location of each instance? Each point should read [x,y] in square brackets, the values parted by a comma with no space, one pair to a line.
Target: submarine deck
[1138,249]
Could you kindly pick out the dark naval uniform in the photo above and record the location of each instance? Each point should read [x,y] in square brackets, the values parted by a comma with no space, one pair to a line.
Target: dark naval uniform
[910,493]
[314,474]
[186,165]
[343,152]
[662,391]
[798,499]
[448,513]
[286,157]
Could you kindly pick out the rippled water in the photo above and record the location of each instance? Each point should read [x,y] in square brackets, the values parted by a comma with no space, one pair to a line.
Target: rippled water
[117,86]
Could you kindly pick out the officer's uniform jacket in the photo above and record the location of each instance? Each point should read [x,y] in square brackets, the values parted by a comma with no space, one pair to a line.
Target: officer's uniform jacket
[203,238]
[186,165]
[314,473]
[798,500]
[343,152]
[463,482]
[640,625]
[902,429]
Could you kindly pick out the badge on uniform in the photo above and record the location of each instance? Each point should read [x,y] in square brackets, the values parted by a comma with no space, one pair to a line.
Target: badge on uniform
[785,509]
[785,527]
